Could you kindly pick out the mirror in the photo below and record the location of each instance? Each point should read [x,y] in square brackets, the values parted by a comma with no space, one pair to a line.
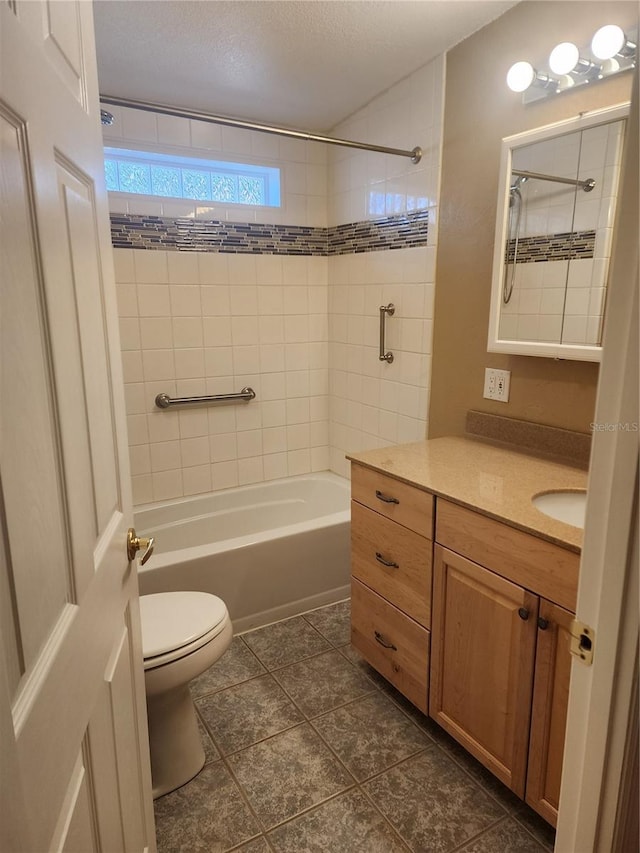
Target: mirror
[554,229]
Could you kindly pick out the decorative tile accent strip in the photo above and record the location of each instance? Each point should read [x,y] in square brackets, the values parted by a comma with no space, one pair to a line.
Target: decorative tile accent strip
[553,247]
[194,235]
[393,232]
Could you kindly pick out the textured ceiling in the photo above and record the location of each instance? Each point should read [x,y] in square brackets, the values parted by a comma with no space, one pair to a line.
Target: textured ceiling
[305,64]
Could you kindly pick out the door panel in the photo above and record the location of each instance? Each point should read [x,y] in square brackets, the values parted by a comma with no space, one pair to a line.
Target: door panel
[58,29]
[74,833]
[75,716]
[482,663]
[36,558]
[549,712]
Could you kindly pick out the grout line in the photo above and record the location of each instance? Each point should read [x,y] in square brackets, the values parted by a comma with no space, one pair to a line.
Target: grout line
[248,841]
[242,681]
[378,772]
[394,829]
[243,793]
[329,710]
[308,809]
[230,686]
[295,616]
[479,835]
[535,837]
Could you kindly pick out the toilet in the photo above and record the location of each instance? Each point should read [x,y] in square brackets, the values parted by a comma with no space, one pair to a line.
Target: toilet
[183,634]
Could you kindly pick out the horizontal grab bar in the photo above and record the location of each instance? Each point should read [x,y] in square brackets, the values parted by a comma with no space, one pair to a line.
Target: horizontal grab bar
[163,401]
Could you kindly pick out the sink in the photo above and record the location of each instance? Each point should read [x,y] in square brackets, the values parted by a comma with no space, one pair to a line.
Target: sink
[563,506]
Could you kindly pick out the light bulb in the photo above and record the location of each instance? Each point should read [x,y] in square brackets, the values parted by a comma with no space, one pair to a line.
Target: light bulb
[520,76]
[564,57]
[609,66]
[608,41]
[565,81]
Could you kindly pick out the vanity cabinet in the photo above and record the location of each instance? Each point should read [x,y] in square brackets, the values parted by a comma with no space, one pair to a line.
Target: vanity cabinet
[391,568]
[500,653]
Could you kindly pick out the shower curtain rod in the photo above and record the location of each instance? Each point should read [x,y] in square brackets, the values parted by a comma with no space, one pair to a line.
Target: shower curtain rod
[587,185]
[165,109]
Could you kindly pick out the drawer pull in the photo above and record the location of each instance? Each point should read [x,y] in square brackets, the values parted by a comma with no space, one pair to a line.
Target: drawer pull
[385,498]
[380,639]
[388,563]
[543,624]
[523,613]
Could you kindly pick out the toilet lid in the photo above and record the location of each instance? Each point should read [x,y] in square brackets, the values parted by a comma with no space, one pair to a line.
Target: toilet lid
[171,620]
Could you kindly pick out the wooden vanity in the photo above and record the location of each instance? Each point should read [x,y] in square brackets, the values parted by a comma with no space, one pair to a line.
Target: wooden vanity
[466,607]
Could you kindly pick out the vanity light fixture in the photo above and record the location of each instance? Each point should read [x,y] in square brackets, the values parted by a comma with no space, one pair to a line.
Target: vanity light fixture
[611,51]
[565,59]
[522,75]
[610,41]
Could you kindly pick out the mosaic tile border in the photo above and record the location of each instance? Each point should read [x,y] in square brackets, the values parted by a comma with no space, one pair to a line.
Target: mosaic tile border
[553,247]
[130,231]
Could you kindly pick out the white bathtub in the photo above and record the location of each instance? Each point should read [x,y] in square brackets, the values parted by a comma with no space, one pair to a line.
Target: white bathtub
[270,550]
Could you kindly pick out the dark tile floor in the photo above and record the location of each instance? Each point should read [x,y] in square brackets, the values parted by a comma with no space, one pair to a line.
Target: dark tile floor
[308,749]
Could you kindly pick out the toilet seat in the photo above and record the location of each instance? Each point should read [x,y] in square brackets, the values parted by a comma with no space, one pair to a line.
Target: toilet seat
[176,624]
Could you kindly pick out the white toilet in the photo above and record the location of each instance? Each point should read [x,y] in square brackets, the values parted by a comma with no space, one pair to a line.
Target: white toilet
[183,634]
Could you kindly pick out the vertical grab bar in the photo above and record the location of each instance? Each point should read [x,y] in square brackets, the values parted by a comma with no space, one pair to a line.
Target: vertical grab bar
[384,310]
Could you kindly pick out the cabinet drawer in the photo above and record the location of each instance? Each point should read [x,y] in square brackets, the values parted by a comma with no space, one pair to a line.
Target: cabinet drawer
[536,564]
[394,645]
[398,501]
[407,581]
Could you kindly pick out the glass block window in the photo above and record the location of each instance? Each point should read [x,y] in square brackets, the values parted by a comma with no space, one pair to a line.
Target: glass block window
[190,178]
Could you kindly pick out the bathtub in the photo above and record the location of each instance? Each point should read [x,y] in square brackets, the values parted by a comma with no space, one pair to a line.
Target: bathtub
[269,550]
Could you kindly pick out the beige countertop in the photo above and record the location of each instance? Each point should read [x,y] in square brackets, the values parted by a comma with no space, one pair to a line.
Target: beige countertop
[496,481]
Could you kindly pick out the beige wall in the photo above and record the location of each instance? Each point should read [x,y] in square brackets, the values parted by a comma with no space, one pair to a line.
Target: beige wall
[479,111]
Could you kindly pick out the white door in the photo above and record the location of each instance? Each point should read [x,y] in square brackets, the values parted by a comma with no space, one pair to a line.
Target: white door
[74,769]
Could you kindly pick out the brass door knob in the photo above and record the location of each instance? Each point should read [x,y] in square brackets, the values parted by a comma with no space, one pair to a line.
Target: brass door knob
[138,543]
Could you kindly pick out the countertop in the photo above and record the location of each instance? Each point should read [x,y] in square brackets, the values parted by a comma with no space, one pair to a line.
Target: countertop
[496,481]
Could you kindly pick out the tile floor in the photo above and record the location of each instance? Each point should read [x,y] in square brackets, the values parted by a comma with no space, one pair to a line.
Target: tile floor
[308,749]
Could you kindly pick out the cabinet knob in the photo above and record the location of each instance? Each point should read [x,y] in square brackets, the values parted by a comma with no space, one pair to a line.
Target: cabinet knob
[543,624]
[523,613]
[386,498]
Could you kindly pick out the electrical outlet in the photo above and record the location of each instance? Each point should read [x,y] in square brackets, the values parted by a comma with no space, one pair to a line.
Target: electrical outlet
[496,384]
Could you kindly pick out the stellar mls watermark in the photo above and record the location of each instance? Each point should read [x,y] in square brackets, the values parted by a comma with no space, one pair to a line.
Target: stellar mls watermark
[620,426]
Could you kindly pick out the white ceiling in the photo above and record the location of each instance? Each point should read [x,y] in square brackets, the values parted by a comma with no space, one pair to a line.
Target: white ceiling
[301,63]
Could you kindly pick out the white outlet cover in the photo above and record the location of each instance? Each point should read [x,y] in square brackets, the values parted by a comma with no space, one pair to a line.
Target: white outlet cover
[496,384]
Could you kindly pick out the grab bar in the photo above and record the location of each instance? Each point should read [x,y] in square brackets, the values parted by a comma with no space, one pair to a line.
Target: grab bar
[384,310]
[163,401]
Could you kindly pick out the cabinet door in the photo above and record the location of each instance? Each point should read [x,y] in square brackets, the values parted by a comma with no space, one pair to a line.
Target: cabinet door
[483,648]
[549,712]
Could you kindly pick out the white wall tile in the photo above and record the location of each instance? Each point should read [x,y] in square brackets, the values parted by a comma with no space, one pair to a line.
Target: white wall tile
[153,300]
[224,475]
[196,480]
[165,456]
[250,470]
[173,131]
[150,266]
[303,168]
[185,300]
[302,330]
[139,126]
[156,333]
[275,466]
[167,485]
